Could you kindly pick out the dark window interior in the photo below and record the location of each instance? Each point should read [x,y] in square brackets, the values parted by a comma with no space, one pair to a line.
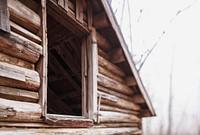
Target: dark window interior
[64,94]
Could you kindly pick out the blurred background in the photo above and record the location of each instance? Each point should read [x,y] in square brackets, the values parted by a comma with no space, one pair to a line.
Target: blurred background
[164,40]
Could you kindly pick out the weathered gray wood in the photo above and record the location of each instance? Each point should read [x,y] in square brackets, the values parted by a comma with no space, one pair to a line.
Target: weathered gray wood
[17,46]
[68,121]
[24,32]
[114,85]
[14,76]
[115,109]
[4,16]
[92,74]
[110,66]
[74,131]
[18,94]
[19,111]
[24,16]
[111,100]
[109,117]
[15,61]
[116,125]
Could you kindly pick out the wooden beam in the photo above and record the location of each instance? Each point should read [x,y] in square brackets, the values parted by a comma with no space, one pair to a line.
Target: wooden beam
[67,121]
[15,61]
[102,42]
[89,15]
[114,85]
[115,109]
[116,125]
[110,117]
[111,100]
[130,81]
[24,16]
[79,10]
[25,33]
[63,4]
[14,45]
[112,92]
[117,55]
[110,75]
[103,54]
[100,20]
[110,67]
[18,94]
[19,111]
[73,131]
[14,76]
[138,99]
[4,16]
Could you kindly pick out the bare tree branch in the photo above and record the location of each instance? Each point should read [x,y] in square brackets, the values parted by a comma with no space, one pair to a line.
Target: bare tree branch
[130,26]
[121,19]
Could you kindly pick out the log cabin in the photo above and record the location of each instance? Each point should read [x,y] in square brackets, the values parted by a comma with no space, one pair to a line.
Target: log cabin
[65,69]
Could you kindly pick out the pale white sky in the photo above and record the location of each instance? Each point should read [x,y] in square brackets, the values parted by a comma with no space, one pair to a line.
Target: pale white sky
[180,45]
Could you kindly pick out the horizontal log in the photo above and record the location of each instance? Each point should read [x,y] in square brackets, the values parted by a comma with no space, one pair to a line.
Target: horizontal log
[114,85]
[110,75]
[14,76]
[103,54]
[109,117]
[14,45]
[130,81]
[117,55]
[74,131]
[19,111]
[15,61]
[102,42]
[100,20]
[116,125]
[115,109]
[21,31]
[138,99]
[18,94]
[24,16]
[68,121]
[111,100]
[117,94]
[110,67]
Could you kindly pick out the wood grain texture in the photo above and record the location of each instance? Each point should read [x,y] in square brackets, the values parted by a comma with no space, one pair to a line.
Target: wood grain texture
[102,42]
[18,94]
[14,76]
[19,111]
[4,16]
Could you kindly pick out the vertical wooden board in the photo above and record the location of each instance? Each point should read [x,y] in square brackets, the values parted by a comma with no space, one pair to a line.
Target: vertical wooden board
[89,14]
[92,74]
[42,63]
[79,11]
[4,16]
[63,4]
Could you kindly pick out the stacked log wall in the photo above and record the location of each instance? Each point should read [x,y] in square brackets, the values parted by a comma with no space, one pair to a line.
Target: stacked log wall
[20,50]
[116,107]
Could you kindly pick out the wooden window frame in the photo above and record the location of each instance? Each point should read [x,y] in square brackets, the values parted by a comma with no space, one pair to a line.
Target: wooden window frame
[89,81]
[4,16]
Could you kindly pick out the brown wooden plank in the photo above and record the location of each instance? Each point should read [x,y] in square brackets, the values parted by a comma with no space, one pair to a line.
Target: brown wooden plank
[130,81]
[116,125]
[24,32]
[138,99]
[89,15]
[14,76]
[19,111]
[114,85]
[103,54]
[111,100]
[100,20]
[4,16]
[15,61]
[102,42]
[19,47]
[79,10]
[117,55]
[18,94]
[110,117]
[110,67]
